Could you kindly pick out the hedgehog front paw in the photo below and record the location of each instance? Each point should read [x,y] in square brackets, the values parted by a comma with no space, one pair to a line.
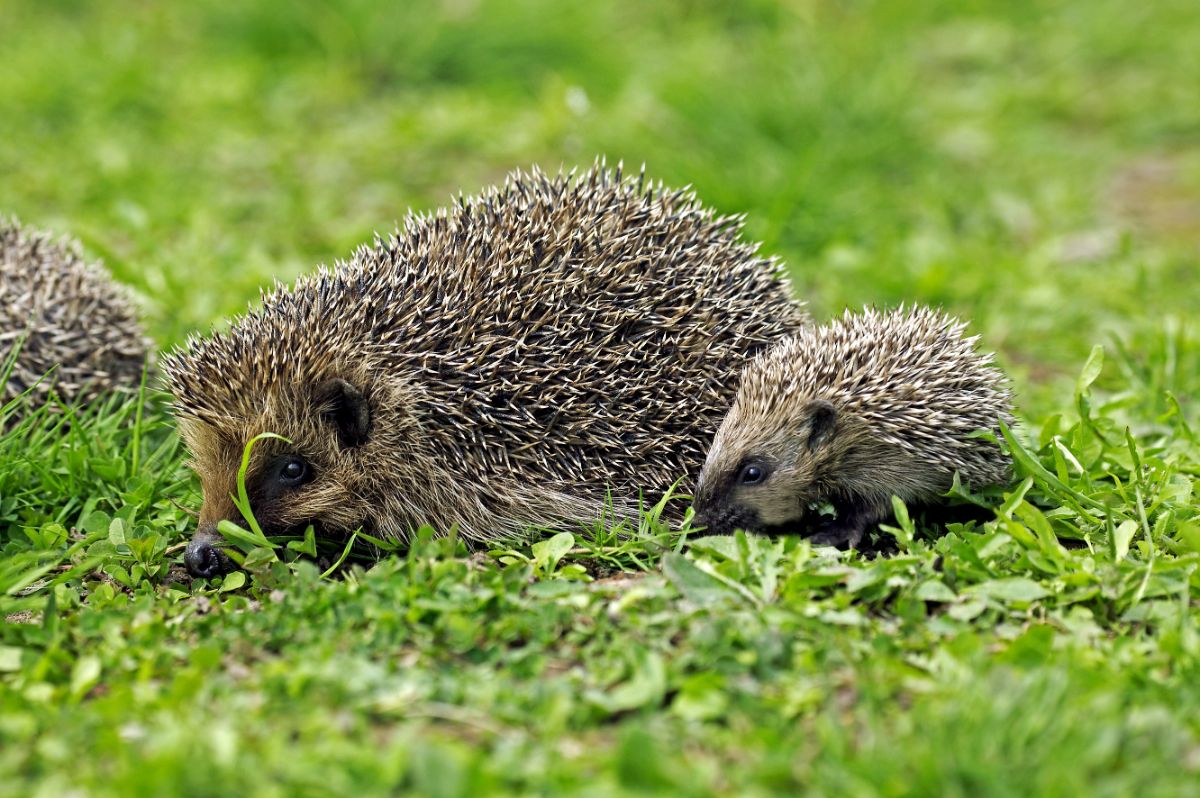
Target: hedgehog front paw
[841,533]
[838,538]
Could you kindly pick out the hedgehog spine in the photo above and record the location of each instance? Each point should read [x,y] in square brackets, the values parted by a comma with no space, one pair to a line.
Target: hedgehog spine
[75,330]
[855,411]
[493,366]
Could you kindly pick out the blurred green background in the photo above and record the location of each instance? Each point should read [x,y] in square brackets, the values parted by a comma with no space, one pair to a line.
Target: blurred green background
[1034,166]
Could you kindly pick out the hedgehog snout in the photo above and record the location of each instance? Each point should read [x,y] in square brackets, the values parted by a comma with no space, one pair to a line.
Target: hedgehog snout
[724,519]
[203,556]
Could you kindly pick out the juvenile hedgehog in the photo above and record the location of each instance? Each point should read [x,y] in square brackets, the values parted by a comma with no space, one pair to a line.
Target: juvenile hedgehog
[496,366]
[65,315]
[851,413]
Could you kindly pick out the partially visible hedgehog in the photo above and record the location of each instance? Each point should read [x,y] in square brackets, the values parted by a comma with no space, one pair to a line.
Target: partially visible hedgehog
[851,413]
[499,365]
[68,318]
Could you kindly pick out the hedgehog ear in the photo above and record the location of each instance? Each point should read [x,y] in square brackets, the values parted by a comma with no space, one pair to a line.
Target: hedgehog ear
[346,409]
[822,419]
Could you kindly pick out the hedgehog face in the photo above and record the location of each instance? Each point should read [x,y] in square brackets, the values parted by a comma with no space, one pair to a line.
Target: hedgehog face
[760,474]
[344,445]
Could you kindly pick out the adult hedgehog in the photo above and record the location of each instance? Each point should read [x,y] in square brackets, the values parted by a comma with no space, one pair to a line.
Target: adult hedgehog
[502,364]
[851,413]
[74,330]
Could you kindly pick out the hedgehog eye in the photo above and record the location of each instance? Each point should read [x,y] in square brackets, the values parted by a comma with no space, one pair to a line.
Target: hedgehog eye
[293,471]
[752,474]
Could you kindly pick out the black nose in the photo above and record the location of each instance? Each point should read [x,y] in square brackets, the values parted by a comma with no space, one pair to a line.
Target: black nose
[203,559]
[723,519]
[712,523]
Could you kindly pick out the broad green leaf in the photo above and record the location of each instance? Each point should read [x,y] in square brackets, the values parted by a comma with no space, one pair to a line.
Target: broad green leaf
[646,685]
[84,674]
[935,590]
[902,518]
[701,697]
[258,559]
[96,521]
[116,532]
[306,546]
[1122,536]
[547,553]
[10,659]
[1189,534]
[694,583]
[1091,370]
[966,611]
[1015,589]
[724,546]
[862,578]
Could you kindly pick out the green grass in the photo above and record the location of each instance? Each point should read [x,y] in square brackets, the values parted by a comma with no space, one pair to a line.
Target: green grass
[1032,166]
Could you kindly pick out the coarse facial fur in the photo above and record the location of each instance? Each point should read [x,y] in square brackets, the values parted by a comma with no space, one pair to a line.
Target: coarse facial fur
[367,460]
[535,356]
[852,413]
